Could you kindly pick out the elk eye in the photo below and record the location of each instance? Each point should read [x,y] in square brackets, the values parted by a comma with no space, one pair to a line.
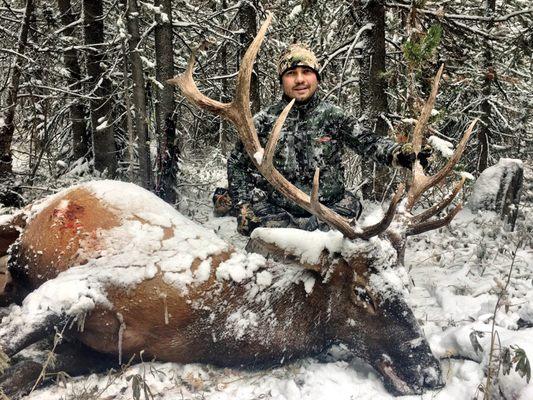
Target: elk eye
[363,298]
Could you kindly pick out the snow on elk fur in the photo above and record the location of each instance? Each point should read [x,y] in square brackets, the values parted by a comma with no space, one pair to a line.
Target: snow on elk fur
[139,278]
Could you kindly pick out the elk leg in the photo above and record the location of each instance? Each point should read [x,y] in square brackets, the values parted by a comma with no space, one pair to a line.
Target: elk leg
[18,380]
[70,358]
[16,336]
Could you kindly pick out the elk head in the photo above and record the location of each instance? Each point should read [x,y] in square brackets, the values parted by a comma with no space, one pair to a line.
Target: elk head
[371,315]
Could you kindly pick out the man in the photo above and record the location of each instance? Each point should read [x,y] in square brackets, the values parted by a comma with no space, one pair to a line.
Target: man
[314,135]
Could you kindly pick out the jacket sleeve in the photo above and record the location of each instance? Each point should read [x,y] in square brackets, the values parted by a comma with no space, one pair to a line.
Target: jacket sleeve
[240,177]
[242,174]
[366,143]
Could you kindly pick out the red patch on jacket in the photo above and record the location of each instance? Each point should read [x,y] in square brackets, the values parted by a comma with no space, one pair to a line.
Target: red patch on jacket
[324,139]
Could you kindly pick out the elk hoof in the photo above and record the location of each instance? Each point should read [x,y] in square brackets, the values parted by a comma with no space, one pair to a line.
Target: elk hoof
[19,379]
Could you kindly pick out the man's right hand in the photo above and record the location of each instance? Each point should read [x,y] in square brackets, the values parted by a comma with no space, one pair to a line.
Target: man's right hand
[247,221]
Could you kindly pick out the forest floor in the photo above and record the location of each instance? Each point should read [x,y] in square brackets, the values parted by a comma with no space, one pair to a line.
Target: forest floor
[458,274]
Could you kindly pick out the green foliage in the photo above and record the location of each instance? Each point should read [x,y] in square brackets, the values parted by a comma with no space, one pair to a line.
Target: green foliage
[519,360]
[419,50]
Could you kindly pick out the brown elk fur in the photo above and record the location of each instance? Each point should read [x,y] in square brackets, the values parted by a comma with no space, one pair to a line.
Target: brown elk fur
[54,249]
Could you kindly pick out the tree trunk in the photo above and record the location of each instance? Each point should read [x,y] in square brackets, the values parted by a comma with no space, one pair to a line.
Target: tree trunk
[81,139]
[169,163]
[166,127]
[490,74]
[373,86]
[139,98]
[129,119]
[104,148]
[224,139]
[7,127]
[248,23]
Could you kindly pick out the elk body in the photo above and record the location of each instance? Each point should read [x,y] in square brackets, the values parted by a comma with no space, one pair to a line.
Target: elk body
[138,277]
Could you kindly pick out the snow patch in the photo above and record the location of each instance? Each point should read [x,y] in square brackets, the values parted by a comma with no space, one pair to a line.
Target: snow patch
[444,147]
[295,11]
[240,266]
[263,278]
[102,126]
[306,245]
[258,156]
[489,183]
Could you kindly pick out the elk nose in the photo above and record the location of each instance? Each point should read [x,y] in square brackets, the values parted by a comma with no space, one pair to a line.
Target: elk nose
[432,376]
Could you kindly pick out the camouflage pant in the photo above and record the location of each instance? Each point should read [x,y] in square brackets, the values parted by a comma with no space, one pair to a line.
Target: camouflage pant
[265,214]
[271,215]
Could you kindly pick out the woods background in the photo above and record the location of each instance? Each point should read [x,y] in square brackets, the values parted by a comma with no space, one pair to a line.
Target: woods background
[83,92]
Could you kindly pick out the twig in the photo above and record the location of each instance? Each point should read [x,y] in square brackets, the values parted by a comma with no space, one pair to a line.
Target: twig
[50,359]
[441,14]
[494,333]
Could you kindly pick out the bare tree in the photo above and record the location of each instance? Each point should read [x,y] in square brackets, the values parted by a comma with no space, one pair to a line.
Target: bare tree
[7,127]
[483,133]
[102,130]
[370,16]
[166,126]
[248,23]
[139,98]
[81,139]
[372,84]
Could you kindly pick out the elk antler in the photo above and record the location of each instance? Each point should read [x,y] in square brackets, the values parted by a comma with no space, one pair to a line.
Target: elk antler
[239,113]
[420,182]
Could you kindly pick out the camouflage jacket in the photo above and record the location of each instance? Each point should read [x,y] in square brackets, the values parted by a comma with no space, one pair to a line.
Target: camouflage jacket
[314,135]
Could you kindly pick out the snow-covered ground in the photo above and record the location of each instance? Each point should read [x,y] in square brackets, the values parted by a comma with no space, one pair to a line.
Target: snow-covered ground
[457,274]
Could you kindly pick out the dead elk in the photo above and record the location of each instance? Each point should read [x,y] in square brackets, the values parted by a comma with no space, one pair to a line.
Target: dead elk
[122,272]
[144,278]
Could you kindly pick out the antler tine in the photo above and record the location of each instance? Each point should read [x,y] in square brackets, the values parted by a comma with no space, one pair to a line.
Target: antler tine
[421,182]
[240,106]
[418,132]
[435,224]
[338,222]
[381,226]
[189,89]
[430,212]
[422,185]
[242,90]
[419,178]
[270,147]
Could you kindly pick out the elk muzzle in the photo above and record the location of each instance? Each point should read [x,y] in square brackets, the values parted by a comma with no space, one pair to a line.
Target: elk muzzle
[411,375]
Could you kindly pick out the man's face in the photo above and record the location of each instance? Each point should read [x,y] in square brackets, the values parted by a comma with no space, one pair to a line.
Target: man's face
[299,83]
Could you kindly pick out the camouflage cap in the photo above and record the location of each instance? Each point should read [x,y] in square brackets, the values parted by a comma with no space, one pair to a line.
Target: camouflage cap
[297,55]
